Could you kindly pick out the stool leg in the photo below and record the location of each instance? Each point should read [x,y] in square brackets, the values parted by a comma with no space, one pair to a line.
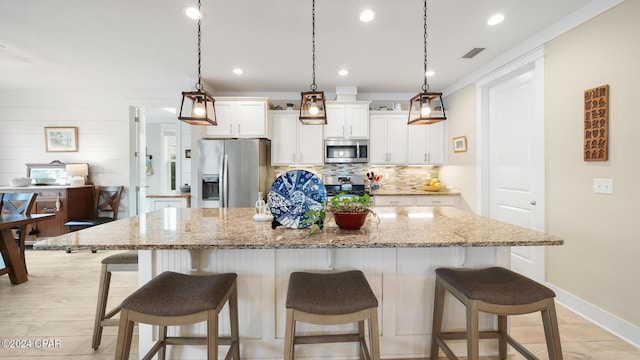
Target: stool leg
[212,335]
[438,310]
[125,333]
[363,350]
[473,336]
[502,340]
[101,308]
[551,331]
[374,334]
[233,315]
[289,334]
[162,340]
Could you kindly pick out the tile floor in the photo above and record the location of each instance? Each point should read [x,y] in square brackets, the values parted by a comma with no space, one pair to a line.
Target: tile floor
[55,310]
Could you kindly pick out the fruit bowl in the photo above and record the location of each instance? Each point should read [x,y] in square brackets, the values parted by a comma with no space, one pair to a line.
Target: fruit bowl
[426,187]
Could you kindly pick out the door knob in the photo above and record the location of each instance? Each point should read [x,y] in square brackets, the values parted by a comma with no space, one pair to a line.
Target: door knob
[533,202]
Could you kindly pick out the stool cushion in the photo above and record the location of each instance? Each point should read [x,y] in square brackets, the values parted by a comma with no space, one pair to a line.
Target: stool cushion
[127,257]
[175,294]
[495,285]
[330,293]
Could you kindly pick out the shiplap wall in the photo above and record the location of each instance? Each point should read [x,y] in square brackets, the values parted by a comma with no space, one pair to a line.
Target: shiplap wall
[103,133]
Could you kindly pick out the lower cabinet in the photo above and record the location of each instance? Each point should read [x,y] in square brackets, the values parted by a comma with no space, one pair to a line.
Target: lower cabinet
[416,200]
[157,203]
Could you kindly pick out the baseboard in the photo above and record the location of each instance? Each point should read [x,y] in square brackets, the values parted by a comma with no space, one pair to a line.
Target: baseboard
[615,325]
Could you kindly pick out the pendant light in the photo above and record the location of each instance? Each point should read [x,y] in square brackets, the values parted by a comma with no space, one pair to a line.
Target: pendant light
[312,105]
[197,106]
[426,107]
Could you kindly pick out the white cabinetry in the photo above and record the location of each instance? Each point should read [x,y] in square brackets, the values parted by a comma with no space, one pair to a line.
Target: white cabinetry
[347,120]
[158,202]
[239,119]
[427,144]
[416,200]
[293,143]
[388,139]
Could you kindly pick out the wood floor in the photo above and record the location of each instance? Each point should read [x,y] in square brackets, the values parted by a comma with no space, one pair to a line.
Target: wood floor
[52,314]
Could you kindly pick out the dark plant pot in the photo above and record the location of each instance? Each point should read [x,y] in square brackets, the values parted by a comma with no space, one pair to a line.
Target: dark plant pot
[350,221]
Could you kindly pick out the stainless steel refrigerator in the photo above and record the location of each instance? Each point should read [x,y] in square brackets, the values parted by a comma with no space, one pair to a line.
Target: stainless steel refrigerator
[232,172]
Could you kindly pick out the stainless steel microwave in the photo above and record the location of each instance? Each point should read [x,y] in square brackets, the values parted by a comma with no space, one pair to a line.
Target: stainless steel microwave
[346,151]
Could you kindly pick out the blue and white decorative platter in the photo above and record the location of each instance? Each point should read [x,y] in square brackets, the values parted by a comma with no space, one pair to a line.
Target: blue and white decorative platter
[294,193]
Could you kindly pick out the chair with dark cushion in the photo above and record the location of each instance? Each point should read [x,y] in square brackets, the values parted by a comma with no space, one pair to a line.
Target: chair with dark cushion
[22,204]
[331,299]
[178,299]
[497,291]
[106,200]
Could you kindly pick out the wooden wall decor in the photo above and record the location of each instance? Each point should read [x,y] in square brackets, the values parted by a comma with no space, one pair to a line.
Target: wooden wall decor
[596,124]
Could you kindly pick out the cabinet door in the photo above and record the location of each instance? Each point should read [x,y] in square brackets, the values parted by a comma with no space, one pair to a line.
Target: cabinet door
[357,125]
[335,121]
[396,139]
[52,227]
[378,154]
[224,117]
[251,118]
[417,144]
[283,139]
[436,144]
[310,144]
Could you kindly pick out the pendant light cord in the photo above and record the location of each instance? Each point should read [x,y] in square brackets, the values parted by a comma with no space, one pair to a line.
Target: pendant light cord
[199,84]
[313,44]
[425,87]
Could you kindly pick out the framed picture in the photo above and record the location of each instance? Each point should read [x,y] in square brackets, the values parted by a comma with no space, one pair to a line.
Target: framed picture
[187,154]
[61,139]
[460,144]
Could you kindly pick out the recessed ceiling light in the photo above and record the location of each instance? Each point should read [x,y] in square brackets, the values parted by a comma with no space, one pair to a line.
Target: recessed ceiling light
[367,15]
[343,72]
[430,73]
[495,19]
[193,13]
[238,71]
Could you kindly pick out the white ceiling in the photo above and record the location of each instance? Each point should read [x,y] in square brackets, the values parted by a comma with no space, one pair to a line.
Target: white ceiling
[145,44]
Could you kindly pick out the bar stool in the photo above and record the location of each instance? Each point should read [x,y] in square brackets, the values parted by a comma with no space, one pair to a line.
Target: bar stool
[178,299]
[497,291]
[126,261]
[331,299]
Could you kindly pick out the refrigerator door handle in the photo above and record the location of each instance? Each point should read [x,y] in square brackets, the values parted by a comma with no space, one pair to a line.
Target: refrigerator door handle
[226,182]
[221,181]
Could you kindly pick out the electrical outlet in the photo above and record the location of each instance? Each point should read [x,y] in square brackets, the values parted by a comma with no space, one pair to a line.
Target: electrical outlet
[603,186]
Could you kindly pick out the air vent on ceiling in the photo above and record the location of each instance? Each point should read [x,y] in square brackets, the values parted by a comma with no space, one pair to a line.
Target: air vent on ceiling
[473,52]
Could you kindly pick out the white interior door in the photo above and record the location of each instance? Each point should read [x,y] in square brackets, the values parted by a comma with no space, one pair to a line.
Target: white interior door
[514,135]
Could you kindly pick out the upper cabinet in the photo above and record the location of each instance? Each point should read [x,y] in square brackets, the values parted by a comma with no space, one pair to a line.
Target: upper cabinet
[347,120]
[239,118]
[427,144]
[293,143]
[388,139]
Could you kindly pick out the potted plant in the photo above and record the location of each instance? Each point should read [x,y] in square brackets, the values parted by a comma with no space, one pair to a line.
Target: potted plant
[351,211]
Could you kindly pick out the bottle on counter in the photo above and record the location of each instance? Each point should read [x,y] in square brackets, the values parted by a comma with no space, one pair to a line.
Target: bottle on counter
[260,204]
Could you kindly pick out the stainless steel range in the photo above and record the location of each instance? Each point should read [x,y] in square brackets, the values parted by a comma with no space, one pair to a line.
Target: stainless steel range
[350,184]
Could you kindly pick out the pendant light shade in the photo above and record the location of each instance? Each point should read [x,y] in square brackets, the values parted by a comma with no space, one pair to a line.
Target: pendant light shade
[197,107]
[312,108]
[426,107]
[312,105]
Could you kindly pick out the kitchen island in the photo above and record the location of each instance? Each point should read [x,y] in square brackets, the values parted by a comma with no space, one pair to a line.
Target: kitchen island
[398,256]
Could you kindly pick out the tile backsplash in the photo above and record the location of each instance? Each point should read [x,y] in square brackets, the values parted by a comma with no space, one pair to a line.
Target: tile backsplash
[393,177]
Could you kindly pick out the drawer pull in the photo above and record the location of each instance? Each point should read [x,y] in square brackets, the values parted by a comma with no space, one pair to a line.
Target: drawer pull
[49,210]
[394,202]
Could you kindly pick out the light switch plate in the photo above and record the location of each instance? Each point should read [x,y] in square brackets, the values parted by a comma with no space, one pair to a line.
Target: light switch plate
[603,186]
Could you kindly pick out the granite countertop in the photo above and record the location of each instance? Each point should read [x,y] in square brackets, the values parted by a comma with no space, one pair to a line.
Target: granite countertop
[410,192]
[399,227]
[173,194]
